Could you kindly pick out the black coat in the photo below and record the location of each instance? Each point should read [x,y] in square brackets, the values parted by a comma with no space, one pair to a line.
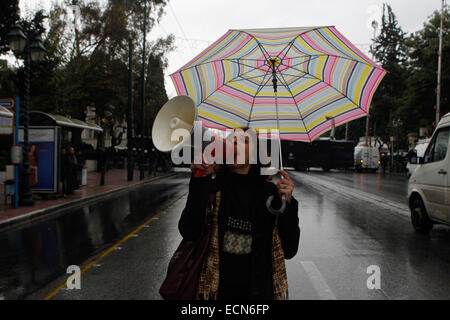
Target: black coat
[193,217]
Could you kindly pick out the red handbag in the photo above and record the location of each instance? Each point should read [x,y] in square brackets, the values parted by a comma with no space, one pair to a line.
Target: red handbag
[184,268]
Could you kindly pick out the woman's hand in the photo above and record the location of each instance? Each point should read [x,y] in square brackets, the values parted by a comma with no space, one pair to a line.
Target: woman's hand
[285,186]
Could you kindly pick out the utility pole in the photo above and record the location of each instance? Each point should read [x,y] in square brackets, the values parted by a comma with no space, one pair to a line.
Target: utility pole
[438,90]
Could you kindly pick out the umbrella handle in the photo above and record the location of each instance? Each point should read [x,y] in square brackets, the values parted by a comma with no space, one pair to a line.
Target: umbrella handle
[276,211]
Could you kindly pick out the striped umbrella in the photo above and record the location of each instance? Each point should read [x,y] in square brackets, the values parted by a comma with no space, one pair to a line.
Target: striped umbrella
[302,81]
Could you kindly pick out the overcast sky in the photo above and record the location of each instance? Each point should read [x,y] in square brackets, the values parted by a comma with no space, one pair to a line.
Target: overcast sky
[197,23]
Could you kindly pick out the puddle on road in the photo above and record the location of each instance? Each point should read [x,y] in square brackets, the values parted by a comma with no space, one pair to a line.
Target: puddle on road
[33,255]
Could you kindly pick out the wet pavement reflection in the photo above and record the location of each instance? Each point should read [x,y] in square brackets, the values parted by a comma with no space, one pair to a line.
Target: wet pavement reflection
[343,233]
[31,256]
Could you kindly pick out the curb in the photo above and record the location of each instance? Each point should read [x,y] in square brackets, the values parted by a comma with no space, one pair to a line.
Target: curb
[35,215]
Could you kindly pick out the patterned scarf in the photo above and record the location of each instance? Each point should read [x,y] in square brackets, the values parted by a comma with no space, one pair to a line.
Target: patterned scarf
[208,284]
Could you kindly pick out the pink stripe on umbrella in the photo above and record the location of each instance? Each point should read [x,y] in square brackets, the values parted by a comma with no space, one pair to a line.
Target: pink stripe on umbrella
[313,44]
[329,69]
[236,94]
[207,49]
[178,82]
[238,47]
[310,92]
[371,86]
[338,120]
[351,46]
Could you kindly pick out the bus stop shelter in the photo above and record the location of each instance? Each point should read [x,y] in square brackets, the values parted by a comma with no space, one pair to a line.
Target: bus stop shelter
[46,133]
[6,121]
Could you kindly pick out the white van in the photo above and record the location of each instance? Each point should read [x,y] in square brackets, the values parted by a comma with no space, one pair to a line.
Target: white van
[418,151]
[367,158]
[429,184]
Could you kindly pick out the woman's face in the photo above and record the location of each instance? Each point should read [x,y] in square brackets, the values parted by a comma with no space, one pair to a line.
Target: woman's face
[32,148]
[243,145]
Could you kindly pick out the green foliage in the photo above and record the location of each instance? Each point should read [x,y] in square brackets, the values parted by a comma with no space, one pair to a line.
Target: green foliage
[9,16]
[87,58]
[420,96]
[389,50]
[408,90]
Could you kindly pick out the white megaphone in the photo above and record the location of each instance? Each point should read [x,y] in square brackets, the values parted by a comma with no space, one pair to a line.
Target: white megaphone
[180,113]
[174,126]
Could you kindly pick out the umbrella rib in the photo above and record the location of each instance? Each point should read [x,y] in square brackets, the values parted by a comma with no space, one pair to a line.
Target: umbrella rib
[289,46]
[283,81]
[335,55]
[225,83]
[250,78]
[291,43]
[246,65]
[263,50]
[212,61]
[298,77]
[332,88]
[254,97]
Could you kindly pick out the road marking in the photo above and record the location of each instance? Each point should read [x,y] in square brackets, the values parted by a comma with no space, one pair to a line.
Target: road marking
[353,194]
[318,281]
[113,248]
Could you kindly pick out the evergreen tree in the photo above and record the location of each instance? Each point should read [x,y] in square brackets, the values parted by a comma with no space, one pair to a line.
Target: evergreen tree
[9,16]
[390,52]
[420,96]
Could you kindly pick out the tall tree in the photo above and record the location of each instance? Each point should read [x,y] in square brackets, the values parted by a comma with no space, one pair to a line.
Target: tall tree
[389,50]
[9,16]
[420,97]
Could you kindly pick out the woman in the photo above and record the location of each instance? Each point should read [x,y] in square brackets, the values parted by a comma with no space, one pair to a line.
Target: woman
[248,244]
[33,157]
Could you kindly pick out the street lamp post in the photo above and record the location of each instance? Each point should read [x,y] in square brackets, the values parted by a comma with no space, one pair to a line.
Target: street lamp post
[144,31]
[34,51]
[130,161]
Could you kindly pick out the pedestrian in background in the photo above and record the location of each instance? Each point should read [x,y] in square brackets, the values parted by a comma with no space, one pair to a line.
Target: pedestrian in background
[64,170]
[81,162]
[72,166]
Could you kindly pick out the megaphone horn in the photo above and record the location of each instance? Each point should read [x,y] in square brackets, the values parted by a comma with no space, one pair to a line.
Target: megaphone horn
[176,119]
[177,113]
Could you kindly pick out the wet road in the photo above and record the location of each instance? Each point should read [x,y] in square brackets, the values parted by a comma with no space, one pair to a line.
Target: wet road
[350,222]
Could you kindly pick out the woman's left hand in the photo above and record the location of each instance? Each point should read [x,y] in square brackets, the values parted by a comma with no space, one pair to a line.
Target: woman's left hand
[285,185]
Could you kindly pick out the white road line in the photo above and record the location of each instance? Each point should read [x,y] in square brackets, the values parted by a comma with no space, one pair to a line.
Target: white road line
[318,281]
[352,193]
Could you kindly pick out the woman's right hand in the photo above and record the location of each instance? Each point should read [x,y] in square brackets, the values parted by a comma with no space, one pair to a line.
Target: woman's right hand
[207,168]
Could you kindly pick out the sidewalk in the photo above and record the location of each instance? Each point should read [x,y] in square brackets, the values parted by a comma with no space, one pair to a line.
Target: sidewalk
[114,179]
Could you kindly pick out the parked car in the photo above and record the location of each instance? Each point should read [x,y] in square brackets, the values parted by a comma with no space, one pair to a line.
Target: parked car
[428,186]
[367,158]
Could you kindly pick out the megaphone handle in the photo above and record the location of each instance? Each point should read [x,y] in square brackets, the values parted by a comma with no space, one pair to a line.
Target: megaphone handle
[276,211]
[199,173]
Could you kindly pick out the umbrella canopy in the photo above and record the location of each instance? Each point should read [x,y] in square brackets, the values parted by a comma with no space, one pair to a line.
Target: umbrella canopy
[323,80]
